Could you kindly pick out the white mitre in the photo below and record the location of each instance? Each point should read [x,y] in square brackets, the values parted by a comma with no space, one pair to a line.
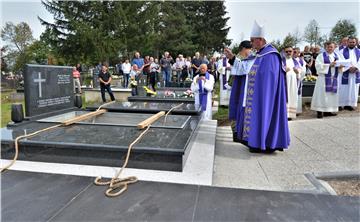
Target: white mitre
[258,31]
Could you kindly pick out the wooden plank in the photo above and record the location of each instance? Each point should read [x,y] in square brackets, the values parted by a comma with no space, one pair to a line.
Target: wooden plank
[83,117]
[150,120]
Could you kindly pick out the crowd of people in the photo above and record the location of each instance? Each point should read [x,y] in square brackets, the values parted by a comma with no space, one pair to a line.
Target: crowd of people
[337,70]
[265,84]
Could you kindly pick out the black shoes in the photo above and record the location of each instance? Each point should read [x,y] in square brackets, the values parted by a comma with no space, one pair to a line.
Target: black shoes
[329,114]
[235,138]
[320,115]
[349,108]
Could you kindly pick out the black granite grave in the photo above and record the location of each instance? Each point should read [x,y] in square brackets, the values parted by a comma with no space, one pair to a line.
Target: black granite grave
[121,119]
[47,89]
[40,197]
[163,95]
[150,107]
[160,99]
[105,141]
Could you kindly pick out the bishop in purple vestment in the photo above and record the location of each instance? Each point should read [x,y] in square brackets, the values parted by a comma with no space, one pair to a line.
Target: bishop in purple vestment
[262,124]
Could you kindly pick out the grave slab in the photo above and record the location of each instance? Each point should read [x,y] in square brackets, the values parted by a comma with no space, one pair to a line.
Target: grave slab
[105,142]
[150,107]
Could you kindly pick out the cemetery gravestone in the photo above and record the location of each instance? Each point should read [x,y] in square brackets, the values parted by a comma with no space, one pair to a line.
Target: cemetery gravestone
[47,89]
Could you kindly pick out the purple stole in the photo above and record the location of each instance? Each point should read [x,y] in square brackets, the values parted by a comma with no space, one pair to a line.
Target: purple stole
[299,82]
[330,83]
[203,93]
[301,61]
[296,65]
[224,76]
[345,76]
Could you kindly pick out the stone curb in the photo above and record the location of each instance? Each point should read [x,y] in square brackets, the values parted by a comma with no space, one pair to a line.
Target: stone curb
[322,186]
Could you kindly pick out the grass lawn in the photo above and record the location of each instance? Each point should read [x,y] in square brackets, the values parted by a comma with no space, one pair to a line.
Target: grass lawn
[222,115]
[6,107]
[5,113]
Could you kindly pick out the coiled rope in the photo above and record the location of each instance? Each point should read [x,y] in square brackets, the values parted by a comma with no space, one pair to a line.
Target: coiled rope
[117,183]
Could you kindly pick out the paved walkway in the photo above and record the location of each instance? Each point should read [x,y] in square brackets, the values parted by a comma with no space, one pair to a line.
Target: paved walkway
[318,146]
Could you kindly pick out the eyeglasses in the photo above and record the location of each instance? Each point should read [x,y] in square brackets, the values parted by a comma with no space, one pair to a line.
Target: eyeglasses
[288,51]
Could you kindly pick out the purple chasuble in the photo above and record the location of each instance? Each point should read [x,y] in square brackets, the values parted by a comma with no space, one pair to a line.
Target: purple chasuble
[263,122]
[234,97]
[331,82]
[224,76]
[203,93]
[237,92]
[345,76]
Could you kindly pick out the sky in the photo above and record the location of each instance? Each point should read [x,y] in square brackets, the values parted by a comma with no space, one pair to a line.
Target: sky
[279,17]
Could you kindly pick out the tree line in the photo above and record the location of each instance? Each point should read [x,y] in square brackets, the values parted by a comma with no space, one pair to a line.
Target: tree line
[312,34]
[87,32]
[92,31]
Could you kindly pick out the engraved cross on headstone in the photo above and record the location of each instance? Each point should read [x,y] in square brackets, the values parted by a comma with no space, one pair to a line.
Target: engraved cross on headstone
[39,80]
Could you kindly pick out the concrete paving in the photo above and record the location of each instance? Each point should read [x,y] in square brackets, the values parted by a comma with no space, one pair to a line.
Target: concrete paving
[317,146]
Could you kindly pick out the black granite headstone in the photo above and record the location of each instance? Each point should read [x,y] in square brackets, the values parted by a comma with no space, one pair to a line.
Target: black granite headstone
[47,89]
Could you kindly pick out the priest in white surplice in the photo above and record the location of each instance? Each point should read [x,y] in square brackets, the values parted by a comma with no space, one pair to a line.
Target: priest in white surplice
[302,64]
[223,67]
[292,75]
[325,99]
[350,79]
[202,86]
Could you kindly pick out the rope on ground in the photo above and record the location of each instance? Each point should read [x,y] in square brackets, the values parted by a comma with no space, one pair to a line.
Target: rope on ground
[170,110]
[65,123]
[121,183]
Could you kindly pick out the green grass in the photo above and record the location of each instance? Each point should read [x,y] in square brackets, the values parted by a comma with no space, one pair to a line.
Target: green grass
[6,107]
[222,113]
[5,114]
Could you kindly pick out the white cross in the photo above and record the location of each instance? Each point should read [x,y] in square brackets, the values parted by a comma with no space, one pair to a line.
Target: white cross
[39,80]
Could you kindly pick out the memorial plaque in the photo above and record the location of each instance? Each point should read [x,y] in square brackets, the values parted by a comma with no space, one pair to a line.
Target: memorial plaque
[47,89]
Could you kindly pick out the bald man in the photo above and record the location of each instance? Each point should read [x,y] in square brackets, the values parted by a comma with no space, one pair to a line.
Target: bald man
[202,86]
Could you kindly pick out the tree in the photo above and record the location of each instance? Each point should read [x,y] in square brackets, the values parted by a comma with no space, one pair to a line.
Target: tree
[93,31]
[277,44]
[18,38]
[176,34]
[343,28]
[312,32]
[210,17]
[4,66]
[289,40]
[297,36]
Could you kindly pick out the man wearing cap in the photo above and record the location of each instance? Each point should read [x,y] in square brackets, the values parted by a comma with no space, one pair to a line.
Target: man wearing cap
[263,124]
[240,68]
[202,86]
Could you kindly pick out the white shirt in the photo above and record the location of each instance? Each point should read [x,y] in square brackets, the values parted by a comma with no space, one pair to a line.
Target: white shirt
[126,68]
